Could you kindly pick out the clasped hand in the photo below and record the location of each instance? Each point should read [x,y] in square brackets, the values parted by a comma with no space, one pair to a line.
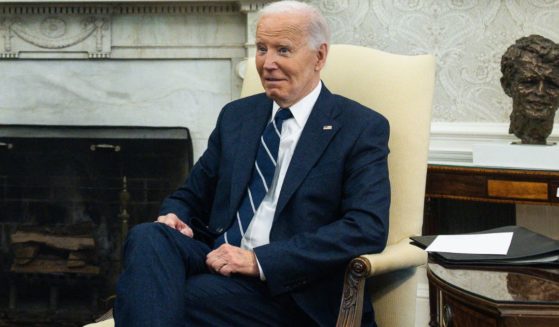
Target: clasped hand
[226,259]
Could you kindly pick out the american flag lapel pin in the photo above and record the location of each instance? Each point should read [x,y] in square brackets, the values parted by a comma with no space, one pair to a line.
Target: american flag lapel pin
[327,127]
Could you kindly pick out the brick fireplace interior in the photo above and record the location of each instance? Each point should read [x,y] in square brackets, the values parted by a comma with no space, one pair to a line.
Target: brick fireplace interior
[67,197]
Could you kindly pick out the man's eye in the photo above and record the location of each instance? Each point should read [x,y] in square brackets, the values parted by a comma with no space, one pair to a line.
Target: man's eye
[261,49]
[528,84]
[283,50]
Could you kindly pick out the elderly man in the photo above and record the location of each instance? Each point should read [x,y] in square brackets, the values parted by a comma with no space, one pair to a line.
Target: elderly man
[530,70]
[293,184]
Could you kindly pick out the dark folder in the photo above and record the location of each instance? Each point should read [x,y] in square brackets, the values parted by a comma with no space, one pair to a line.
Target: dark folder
[526,248]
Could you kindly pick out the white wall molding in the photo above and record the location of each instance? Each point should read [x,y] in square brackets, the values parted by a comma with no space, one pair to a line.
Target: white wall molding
[452,142]
[125,30]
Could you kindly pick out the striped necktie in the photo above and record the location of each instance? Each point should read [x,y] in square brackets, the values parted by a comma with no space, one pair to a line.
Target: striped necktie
[260,180]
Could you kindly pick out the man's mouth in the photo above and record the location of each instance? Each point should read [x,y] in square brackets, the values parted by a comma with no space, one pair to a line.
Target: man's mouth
[538,111]
[537,103]
[273,79]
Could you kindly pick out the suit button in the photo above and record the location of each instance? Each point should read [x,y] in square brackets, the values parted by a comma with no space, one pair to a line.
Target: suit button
[219,230]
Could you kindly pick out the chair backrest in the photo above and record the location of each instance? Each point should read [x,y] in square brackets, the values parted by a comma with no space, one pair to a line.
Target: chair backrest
[401,88]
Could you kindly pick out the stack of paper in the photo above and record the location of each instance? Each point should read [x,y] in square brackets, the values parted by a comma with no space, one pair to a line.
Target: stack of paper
[509,245]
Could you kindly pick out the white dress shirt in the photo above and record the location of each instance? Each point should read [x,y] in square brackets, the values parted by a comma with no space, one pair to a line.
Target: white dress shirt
[258,231]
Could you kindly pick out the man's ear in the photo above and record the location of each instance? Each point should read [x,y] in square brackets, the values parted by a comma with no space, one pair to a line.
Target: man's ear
[321,55]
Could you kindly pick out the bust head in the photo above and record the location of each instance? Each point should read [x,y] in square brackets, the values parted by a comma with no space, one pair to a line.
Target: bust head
[530,70]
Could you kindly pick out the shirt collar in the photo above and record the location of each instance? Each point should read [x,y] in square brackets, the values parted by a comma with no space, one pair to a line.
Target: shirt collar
[302,109]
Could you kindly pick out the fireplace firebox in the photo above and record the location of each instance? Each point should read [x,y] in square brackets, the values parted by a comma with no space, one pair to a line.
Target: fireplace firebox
[68,195]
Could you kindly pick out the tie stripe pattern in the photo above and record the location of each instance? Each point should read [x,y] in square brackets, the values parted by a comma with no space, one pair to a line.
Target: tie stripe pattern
[260,180]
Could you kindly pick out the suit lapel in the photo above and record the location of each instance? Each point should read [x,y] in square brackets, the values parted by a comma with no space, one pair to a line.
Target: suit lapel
[249,139]
[317,134]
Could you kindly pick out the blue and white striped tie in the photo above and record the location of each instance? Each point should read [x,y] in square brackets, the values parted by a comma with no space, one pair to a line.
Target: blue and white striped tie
[260,180]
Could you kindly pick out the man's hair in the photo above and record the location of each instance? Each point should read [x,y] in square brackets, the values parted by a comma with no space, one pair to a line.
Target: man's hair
[318,30]
[544,49]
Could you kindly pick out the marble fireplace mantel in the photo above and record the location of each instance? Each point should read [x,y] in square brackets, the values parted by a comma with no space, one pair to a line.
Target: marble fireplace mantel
[127,29]
[123,63]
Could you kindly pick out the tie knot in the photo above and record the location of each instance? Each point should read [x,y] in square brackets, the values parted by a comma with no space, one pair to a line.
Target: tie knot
[283,114]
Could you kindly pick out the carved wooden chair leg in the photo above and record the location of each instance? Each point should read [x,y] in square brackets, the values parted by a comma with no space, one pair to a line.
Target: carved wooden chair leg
[351,307]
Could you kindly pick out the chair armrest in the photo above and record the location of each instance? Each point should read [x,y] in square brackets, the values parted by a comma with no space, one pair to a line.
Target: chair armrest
[401,255]
[105,323]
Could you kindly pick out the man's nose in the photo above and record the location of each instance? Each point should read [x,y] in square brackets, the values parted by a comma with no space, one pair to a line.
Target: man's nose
[540,88]
[270,60]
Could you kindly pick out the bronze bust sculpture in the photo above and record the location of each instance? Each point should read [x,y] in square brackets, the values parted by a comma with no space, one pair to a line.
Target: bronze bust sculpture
[530,70]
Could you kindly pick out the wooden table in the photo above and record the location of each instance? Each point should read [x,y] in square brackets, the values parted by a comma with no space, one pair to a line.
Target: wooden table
[487,185]
[467,297]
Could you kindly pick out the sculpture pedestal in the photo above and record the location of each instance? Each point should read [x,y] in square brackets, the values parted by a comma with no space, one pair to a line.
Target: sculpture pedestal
[527,156]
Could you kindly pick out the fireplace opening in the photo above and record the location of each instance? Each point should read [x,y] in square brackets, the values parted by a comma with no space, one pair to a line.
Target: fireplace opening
[68,195]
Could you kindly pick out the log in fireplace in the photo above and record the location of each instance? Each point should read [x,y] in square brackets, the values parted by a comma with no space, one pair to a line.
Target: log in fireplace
[68,194]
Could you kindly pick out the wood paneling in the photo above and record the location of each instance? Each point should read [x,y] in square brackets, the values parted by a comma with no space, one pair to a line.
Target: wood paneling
[517,190]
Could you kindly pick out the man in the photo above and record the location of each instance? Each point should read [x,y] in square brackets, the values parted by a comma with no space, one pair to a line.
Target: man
[324,200]
[530,70]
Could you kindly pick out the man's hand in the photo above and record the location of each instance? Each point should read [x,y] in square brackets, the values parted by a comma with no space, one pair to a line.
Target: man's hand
[174,222]
[228,259]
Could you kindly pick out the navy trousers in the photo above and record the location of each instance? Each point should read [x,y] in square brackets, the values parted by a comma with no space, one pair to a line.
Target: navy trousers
[165,282]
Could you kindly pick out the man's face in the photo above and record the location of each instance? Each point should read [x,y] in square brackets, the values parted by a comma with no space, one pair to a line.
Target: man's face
[289,69]
[535,90]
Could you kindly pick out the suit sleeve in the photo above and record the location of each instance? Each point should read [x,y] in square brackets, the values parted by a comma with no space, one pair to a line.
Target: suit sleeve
[362,226]
[194,198]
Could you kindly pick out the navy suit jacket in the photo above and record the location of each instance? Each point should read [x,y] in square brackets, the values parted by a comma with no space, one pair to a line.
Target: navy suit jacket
[333,204]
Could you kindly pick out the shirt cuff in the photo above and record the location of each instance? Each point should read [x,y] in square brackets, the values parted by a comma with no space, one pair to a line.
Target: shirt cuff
[261,272]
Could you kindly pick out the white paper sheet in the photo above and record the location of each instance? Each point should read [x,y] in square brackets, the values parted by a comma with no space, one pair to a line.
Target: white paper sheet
[491,243]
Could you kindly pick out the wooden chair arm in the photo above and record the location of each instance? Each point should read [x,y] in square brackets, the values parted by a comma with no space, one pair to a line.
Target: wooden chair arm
[397,256]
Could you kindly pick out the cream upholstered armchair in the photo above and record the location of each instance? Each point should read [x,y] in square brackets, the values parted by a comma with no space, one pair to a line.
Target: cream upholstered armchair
[400,88]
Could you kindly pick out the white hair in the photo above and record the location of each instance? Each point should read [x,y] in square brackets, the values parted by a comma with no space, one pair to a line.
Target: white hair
[318,30]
